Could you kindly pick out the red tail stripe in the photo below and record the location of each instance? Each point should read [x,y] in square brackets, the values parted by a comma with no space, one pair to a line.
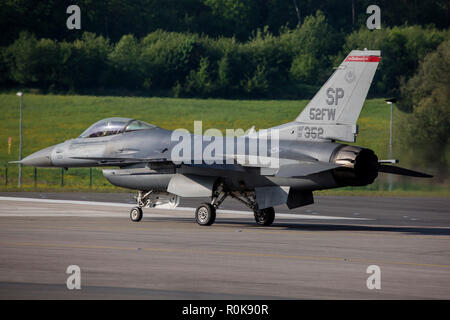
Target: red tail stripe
[363,58]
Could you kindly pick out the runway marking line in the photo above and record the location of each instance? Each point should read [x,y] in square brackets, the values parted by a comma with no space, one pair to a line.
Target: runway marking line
[236,253]
[113,204]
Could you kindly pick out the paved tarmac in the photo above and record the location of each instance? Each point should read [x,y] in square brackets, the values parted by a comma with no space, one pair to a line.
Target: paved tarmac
[320,251]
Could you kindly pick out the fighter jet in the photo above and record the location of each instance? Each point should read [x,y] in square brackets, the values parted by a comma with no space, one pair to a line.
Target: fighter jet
[262,169]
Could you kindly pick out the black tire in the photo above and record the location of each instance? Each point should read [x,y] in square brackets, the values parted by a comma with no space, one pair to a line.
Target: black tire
[265,217]
[205,215]
[136,214]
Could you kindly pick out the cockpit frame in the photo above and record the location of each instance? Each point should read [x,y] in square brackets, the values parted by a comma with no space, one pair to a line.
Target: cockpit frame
[114,126]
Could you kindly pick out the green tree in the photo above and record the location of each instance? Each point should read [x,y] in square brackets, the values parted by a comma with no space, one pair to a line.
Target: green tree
[426,130]
[168,57]
[241,16]
[312,44]
[224,72]
[34,62]
[125,61]
[401,47]
[22,59]
[199,82]
[256,85]
[87,61]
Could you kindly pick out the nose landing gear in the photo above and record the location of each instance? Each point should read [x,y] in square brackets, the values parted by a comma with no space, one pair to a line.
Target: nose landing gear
[152,199]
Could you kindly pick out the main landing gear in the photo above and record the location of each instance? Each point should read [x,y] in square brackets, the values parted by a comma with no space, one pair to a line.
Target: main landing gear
[265,217]
[205,215]
[136,214]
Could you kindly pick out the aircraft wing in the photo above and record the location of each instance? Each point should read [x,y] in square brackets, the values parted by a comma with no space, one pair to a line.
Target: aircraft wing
[278,167]
[294,169]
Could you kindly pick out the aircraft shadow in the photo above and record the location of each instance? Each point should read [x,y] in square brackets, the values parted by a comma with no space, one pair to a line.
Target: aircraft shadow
[298,226]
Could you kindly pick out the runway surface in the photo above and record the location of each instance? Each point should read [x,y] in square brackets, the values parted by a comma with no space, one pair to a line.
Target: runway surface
[320,251]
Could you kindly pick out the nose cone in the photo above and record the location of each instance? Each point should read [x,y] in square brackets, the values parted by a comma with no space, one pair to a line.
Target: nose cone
[42,158]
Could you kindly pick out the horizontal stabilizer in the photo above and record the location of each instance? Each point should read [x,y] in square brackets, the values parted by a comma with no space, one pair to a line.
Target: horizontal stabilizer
[402,171]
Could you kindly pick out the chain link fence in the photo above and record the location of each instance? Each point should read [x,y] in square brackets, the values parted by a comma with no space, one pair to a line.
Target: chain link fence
[42,178]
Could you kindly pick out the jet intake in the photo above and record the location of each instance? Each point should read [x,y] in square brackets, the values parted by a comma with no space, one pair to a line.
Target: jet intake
[359,166]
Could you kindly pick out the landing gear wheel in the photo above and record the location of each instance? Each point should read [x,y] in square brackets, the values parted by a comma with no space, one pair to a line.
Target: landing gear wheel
[265,217]
[205,215]
[136,214]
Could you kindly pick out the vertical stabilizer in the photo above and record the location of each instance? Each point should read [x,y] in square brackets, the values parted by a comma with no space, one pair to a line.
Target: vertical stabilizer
[341,98]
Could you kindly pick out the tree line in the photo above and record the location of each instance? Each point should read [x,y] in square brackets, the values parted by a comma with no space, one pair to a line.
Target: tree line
[290,64]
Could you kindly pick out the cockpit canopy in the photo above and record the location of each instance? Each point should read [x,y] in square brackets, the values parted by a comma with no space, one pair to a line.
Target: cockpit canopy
[111,126]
